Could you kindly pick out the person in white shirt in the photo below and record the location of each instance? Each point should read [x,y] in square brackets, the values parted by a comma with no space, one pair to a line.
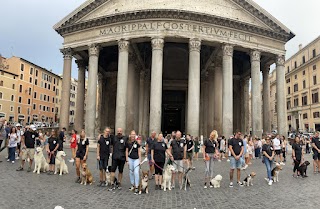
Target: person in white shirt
[277,148]
[12,144]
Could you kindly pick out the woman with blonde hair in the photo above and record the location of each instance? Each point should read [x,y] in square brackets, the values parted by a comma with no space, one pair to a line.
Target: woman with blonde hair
[210,152]
[82,151]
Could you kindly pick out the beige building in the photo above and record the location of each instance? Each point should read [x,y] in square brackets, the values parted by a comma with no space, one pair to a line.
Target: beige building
[172,65]
[8,90]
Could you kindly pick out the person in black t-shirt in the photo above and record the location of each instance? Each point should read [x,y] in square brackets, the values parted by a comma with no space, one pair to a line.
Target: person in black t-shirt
[62,139]
[236,151]
[118,157]
[103,152]
[52,147]
[158,157]
[190,147]
[315,143]
[81,153]
[268,155]
[297,155]
[149,144]
[133,158]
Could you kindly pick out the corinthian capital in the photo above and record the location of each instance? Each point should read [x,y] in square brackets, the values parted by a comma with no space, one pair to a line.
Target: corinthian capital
[67,53]
[94,50]
[280,60]
[194,44]
[227,50]
[81,63]
[157,43]
[123,45]
[255,55]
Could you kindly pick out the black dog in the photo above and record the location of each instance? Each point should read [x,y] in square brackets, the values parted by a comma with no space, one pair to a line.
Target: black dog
[303,169]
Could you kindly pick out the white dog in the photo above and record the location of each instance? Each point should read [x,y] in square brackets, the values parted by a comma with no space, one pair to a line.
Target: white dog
[167,177]
[60,164]
[40,162]
[216,181]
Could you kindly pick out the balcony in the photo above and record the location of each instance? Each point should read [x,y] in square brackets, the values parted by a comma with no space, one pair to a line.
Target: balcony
[295,109]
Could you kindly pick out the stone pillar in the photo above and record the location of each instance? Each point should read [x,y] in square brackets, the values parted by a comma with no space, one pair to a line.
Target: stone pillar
[136,99]
[217,82]
[122,83]
[98,127]
[236,103]
[211,99]
[146,105]
[255,94]
[79,119]
[281,96]
[65,92]
[227,105]
[266,101]
[246,108]
[194,88]
[156,85]
[205,106]
[92,91]
[131,95]
[141,101]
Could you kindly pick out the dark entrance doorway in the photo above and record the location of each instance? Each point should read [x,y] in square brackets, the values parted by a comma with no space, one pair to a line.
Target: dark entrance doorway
[173,111]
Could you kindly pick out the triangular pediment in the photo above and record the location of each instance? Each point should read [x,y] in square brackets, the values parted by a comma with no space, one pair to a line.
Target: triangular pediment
[244,11]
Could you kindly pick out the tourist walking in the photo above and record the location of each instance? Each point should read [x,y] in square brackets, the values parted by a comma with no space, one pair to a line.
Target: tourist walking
[268,155]
[210,152]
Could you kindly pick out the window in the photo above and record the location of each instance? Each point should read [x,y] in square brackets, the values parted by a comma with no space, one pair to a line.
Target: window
[304,84]
[288,90]
[288,105]
[19,109]
[296,102]
[20,88]
[58,82]
[295,64]
[295,76]
[49,86]
[31,71]
[314,54]
[289,117]
[11,108]
[21,76]
[314,80]
[303,59]
[40,96]
[288,69]
[52,99]
[314,67]
[43,108]
[315,114]
[48,109]
[45,97]
[304,72]
[36,82]
[12,98]
[41,84]
[40,107]
[29,101]
[35,95]
[315,97]
[1,83]
[30,91]
[1,95]
[48,98]
[288,80]
[13,86]
[54,80]
[45,85]
[305,116]
[304,100]
[28,111]
[36,73]
[295,87]
[20,99]
[34,106]
[54,88]
[52,110]
[22,67]
[30,80]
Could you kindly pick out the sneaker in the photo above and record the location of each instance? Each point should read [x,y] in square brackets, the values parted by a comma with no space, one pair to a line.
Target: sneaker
[231,184]
[131,188]
[119,186]
[12,162]
[228,160]
[205,186]
[111,188]
[219,160]
[20,169]
[136,191]
[211,185]
[7,157]
[8,160]
[29,169]
[193,168]
[240,183]
[172,186]
[270,182]
[71,160]
[78,180]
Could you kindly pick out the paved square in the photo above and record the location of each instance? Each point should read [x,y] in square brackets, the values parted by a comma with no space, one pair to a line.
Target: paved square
[28,190]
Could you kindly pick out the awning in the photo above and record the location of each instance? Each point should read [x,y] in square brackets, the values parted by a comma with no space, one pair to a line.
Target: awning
[21,117]
[35,116]
[2,115]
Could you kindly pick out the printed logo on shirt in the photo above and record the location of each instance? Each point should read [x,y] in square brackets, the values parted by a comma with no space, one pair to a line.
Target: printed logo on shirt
[135,146]
[240,143]
[83,142]
[121,141]
[181,144]
[32,136]
[107,142]
[163,145]
[54,142]
[271,148]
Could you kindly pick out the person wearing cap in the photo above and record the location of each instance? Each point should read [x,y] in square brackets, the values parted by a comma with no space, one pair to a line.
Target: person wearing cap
[19,133]
[28,141]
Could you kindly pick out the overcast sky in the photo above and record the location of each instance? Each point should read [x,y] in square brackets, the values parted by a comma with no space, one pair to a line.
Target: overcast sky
[26,27]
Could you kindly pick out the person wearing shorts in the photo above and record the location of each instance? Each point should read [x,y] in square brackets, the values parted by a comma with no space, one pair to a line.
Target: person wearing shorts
[81,153]
[158,157]
[118,157]
[190,146]
[149,143]
[178,150]
[277,148]
[52,147]
[103,152]
[236,150]
[28,141]
[315,143]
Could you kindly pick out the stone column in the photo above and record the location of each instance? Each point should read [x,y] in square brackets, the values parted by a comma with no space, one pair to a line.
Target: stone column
[141,101]
[65,92]
[217,82]
[92,91]
[156,85]
[266,100]
[246,105]
[255,94]
[236,103]
[211,99]
[131,94]
[122,83]
[194,88]
[227,96]
[281,96]
[98,127]
[79,119]
[146,104]
[205,107]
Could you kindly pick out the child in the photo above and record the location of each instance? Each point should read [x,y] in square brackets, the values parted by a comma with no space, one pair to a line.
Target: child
[73,144]
[12,144]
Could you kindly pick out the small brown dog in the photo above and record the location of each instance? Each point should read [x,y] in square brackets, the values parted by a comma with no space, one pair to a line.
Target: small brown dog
[86,175]
[144,182]
[275,172]
[248,181]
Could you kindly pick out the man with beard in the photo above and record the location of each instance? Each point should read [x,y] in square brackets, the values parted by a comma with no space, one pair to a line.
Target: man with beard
[118,157]
[149,144]
[178,150]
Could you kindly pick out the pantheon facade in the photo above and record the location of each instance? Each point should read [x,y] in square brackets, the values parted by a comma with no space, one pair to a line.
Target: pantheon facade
[163,65]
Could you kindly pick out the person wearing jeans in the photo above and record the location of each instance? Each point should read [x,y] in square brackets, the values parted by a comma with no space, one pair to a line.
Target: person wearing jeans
[268,155]
[133,158]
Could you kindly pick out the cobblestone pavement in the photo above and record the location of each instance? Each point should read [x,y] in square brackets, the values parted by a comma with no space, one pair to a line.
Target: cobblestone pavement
[28,190]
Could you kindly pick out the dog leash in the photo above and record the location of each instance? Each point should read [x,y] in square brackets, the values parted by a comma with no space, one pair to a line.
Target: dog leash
[145,160]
